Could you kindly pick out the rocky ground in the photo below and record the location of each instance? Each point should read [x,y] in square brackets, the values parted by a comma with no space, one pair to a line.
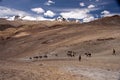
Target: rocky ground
[38,50]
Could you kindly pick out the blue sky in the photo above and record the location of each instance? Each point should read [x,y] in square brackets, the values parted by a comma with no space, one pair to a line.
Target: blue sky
[85,10]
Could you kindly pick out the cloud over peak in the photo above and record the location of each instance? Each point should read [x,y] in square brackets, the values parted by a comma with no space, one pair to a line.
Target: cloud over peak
[29,18]
[82,14]
[106,13]
[76,14]
[38,10]
[49,13]
[89,18]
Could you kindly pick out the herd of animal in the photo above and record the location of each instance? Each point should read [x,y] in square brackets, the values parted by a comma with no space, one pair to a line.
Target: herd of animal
[38,57]
[68,54]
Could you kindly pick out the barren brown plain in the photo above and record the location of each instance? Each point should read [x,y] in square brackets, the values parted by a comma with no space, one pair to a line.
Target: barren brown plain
[21,41]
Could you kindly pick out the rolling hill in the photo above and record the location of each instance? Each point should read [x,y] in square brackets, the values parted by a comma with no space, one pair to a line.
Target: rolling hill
[34,38]
[37,50]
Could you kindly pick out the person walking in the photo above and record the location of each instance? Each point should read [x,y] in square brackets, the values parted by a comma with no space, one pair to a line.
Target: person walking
[114,52]
[79,57]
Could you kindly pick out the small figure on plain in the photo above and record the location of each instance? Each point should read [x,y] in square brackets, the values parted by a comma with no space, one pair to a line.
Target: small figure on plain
[114,52]
[45,56]
[56,55]
[30,57]
[79,57]
[89,54]
[86,54]
[40,56]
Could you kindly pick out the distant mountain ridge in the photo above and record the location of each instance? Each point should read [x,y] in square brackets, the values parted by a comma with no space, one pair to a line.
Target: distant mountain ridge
[112,20]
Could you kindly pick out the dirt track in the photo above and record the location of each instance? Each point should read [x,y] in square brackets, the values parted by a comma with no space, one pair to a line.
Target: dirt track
[94,73]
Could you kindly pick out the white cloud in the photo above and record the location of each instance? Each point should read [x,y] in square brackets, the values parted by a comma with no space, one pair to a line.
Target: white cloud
[49,13]
[37,18]
[76,14]
[88,19]
[43,19]
[10,13]
[38,10]
[82,4]
[49,2]
[83,14]
[10,18]
[5,11]
[105,13]
[91,6]
[29,18]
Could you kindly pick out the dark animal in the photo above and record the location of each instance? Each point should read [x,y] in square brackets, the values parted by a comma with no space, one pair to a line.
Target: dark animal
[71,53]
[74,53]
[56,55]
[8,38]
[40,56]
[45,56]
[88,54]
[30,57]
[36,57]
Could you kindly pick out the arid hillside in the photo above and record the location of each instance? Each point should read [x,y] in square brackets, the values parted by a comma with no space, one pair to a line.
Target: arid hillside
[39,50]
[24,38]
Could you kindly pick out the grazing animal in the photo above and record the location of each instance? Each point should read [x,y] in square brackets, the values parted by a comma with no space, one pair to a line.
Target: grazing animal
[74,53]
[36,57]
[88,54]
[56,55]
[45,56]
[8,38]
[30,57]
[71,53]
[40,56]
